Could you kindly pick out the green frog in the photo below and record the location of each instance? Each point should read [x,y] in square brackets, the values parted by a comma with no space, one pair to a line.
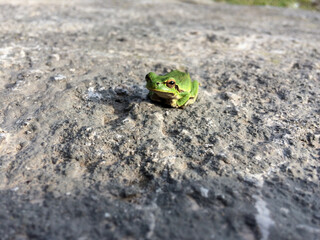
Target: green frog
[175,88]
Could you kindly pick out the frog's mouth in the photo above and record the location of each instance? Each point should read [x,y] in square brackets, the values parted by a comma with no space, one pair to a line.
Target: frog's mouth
[162,94]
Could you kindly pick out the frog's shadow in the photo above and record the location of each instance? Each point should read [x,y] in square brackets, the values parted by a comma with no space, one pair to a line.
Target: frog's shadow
[124,98]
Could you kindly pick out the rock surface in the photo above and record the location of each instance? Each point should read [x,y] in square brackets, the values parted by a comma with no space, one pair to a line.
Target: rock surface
[85,155]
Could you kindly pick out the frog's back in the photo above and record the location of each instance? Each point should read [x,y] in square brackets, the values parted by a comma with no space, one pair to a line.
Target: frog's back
[180,76]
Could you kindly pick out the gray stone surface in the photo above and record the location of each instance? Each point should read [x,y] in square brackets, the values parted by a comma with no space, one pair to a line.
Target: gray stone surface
[85,155]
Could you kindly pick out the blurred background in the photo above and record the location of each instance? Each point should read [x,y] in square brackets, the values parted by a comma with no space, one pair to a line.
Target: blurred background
[303,4]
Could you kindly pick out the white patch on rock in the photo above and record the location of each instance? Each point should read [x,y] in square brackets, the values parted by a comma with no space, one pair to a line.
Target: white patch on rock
[263,217]
[204,192]
[152,225]
[58,77]
[15,189]
[255,179]
[2,136]
[309,229]
[159,116]
[92,94]
[284,211]
[56,56]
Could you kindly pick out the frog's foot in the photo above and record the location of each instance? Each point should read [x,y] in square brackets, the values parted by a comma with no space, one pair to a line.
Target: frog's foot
[182,101]
[190,101]
[191,97]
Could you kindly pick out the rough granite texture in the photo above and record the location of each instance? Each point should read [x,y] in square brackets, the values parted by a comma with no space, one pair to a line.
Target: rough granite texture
[85,155]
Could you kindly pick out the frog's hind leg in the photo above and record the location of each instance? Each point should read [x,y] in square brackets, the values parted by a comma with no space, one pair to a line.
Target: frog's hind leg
[182,101]
[194,89]
[193,93]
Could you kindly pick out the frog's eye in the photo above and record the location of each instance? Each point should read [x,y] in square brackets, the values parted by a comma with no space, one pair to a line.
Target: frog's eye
[171,83]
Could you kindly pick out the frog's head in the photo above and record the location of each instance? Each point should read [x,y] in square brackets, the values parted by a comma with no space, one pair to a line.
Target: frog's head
[163,84]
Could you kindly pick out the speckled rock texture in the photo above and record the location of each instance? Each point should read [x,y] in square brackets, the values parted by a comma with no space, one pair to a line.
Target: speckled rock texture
[84,154]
